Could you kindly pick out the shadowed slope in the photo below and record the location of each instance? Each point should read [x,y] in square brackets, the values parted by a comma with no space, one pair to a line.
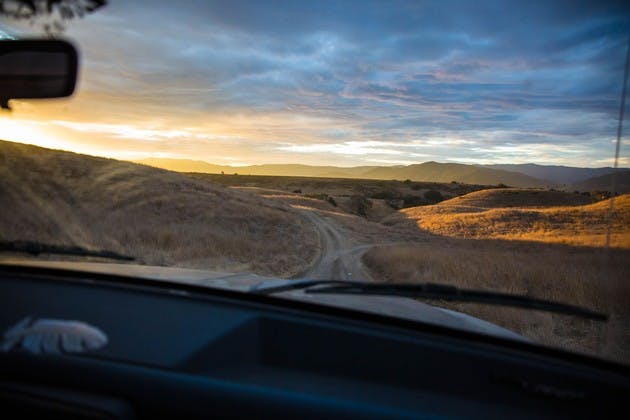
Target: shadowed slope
[158,216]
[604,182]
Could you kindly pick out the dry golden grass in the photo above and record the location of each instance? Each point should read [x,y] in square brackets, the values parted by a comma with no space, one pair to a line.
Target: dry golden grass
[518,197]
[160,217]
[293,200]
[513,214]
[358,230]
[382,197]
[577,275]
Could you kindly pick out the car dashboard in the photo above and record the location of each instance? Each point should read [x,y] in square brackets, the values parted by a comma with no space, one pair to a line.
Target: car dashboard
[186,351]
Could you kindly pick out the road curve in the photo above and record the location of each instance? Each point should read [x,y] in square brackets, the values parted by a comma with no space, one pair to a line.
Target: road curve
[339,259]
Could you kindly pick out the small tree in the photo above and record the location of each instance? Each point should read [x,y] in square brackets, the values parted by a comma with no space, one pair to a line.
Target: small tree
[360,204]
[50,14]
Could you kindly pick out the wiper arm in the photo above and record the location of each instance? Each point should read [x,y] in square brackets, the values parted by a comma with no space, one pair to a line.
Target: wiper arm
[431,291]
[36,248]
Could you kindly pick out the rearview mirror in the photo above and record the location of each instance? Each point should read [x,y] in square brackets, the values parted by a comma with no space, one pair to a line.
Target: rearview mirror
[36,69]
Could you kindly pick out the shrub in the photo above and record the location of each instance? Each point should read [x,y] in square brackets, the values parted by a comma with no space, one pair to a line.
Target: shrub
[433,196]
[396,204]
[360,204]
[385,195]
[412,201]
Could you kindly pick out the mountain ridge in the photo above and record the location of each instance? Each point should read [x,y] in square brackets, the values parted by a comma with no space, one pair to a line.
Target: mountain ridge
[427,171]
[558,174]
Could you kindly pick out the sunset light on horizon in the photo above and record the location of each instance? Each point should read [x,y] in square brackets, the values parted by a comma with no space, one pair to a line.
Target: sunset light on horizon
[230,85]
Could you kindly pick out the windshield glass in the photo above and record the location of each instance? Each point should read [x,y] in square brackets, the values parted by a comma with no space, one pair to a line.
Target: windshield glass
[463,143]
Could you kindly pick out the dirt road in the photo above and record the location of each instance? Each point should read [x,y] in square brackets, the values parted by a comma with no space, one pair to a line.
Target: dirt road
[339,259]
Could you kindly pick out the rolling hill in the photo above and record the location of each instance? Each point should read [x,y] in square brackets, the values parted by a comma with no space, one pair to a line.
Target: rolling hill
[185,165]
[188,165]
[604,183]
[447,172]
[514,197]
[555,174]
[427,172]
[543,216]
[158,216]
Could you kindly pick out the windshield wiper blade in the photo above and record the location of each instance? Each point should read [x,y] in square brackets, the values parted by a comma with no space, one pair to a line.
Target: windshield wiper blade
[36,248]
[431,291]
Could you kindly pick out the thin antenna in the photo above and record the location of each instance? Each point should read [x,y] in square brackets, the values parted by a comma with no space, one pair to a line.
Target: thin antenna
[619,131]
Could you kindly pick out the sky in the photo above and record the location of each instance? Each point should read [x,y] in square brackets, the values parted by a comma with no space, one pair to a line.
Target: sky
[342,83]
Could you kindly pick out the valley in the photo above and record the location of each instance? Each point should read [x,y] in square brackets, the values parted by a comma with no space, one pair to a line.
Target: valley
[534,241]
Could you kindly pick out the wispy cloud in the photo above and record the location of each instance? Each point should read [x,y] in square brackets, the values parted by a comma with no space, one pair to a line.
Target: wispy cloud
[354,81]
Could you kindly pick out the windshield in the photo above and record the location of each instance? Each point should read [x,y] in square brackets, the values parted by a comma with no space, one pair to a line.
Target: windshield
[469,144]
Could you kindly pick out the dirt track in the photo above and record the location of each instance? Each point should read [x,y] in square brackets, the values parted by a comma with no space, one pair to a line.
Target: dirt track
[339,259]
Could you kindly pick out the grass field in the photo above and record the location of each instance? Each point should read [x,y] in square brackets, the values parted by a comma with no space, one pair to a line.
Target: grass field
[371,199]
[584,276]
[513,214]
[160,217]
[546,244]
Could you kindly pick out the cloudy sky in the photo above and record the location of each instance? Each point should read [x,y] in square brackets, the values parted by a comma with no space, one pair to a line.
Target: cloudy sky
[341,82]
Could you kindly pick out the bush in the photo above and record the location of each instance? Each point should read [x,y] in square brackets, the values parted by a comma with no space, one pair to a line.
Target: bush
[413,200]
[332,201]
[433,196]
[385,195]
[396,204]
[360,204]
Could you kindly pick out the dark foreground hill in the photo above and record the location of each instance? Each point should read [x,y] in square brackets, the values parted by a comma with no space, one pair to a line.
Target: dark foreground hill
[160,217]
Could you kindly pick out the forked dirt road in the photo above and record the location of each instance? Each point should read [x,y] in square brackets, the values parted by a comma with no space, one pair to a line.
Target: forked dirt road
[339,259]
[342,242]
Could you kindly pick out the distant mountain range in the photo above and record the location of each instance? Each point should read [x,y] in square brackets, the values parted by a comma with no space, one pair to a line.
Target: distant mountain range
[517,175]
[556,174]
[604,182]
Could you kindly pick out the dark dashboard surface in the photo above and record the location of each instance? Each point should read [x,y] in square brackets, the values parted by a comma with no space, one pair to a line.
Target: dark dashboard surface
[175,351]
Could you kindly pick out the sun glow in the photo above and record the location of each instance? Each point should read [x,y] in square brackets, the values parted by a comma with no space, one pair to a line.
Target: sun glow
[30,132]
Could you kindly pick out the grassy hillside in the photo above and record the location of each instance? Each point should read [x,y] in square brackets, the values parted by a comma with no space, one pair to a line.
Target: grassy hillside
[185,165]
[582,276]
[604,183]
[369,198]
[158,216]
[515,197]
[514,214]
